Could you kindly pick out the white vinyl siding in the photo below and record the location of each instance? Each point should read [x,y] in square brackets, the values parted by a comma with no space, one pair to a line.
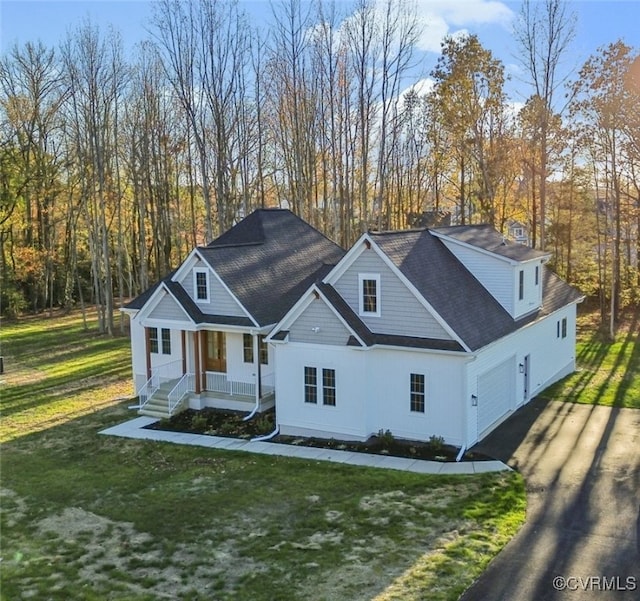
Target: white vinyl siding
[400,311]
[496,275]
[528,295]
[330,330]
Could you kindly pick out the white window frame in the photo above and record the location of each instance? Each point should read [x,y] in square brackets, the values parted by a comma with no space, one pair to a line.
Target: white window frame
[196,271]
[361,278]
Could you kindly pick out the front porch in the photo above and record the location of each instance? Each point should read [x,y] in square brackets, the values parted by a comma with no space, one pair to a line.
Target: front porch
[164,396]
[225,370]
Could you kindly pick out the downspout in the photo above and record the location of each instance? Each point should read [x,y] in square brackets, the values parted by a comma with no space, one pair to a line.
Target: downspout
[267,436]
[461,452]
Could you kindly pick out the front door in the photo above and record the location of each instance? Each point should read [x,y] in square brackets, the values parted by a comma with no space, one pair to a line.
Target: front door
[527,367]
[216,352]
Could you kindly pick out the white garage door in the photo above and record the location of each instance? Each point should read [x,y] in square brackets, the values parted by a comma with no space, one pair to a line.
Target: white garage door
[495,395]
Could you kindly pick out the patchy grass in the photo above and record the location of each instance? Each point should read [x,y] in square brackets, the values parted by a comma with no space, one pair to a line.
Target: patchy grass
[608,371]
[93,517]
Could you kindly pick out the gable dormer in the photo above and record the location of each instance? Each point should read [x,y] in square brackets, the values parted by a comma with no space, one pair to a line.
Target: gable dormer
[378,293]
[511,272]
[203,285]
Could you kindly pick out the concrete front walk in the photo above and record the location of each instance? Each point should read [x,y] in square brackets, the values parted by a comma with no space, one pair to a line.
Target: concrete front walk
[581,465]
[135,429]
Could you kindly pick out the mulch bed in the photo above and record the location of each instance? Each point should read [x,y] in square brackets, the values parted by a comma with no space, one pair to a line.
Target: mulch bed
[218,422]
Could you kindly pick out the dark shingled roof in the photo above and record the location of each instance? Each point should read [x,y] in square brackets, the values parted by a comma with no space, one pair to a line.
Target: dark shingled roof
[455,294]
[267,260]
[139,301]
[487,238]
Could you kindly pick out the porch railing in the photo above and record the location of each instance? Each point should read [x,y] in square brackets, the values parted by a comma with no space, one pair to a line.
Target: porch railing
[180,390]
[217,382]
[147,391]
[159,375]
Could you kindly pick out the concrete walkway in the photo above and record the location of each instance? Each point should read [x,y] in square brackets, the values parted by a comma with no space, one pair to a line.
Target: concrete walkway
[135,429]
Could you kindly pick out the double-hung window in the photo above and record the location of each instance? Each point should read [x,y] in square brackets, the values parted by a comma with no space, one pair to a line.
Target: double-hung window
[561,328]
[153,340]
[329,387]
[263,351]
[521,285]
[156,344]
[310,385]
[247,348]
[417,393]
[325,390]
[201,285]
[166,341]
[369,301]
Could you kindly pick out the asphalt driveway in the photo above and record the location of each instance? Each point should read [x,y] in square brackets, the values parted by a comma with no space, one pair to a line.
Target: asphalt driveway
[581,539]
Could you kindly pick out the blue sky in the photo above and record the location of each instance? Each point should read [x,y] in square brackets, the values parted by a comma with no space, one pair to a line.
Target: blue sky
[599,23]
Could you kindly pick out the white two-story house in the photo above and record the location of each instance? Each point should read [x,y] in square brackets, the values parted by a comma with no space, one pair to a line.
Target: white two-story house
[424,333]
[430,332]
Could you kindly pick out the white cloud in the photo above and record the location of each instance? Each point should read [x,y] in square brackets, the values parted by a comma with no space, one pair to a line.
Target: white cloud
[421,87]
[450,17]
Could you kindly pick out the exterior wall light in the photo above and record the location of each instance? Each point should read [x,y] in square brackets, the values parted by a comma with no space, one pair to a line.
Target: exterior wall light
[474,400]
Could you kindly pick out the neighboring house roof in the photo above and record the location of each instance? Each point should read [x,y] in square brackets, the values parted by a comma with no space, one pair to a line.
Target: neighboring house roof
[267,261]
[455,294]
[487,238]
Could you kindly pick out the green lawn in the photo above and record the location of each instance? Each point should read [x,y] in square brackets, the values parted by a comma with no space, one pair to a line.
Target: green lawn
[89,517]
[608,372]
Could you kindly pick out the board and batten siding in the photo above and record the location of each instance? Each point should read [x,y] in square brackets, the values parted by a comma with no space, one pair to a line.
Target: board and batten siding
[168,309]
[318,315]
[220,301]
[496,275]
[400,311]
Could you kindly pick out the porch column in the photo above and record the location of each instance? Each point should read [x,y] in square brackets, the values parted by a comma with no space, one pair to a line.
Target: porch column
[183,340]
[196,356]
[203,360]
[256,360]
[147,351]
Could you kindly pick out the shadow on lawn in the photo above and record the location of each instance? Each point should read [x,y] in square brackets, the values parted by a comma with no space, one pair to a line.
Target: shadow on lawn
[593,361]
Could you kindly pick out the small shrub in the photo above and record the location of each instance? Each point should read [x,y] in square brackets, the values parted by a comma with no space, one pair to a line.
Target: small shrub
[230,426]
[264,423]
[436,443]
[199,422]
[386,438]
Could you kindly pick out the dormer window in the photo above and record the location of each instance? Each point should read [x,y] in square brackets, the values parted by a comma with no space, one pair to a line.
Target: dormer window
[201,285]
[369,286]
